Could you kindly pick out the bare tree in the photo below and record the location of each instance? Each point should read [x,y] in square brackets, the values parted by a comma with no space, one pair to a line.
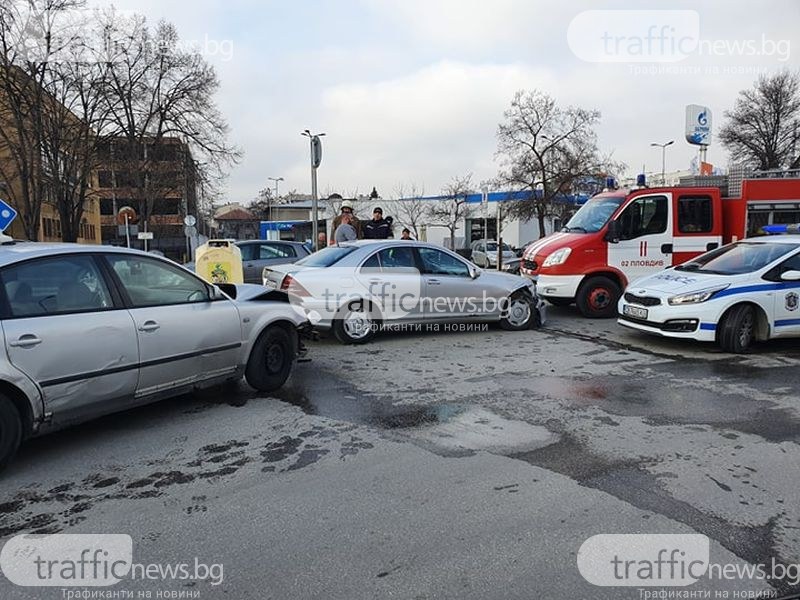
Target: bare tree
[159,92]
[410,208]
[452,209]
[546,149]
[762,128]
[32,33]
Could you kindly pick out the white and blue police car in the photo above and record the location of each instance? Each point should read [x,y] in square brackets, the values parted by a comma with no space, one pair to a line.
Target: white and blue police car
[740,293]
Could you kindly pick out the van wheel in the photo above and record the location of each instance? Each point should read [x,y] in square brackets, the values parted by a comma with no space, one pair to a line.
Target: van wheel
[10,431]
[270,361]
[356,323]
[737,329]
[597,298]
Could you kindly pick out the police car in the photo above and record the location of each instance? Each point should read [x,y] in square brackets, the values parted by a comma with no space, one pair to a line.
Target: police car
[740,293]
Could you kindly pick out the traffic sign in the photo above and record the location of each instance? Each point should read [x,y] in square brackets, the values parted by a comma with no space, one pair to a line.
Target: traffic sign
[316,151]
[145,235]
[190,231]
[189,220]
[7,215]
[126,211]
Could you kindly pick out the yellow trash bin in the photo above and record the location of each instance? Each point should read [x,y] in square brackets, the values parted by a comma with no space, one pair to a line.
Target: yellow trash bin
[219,261]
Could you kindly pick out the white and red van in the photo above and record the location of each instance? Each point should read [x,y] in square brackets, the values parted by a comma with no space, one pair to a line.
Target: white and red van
[621,235]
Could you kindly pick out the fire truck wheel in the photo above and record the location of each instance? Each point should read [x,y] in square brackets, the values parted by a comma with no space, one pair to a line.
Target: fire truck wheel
[736,331]
[597,298]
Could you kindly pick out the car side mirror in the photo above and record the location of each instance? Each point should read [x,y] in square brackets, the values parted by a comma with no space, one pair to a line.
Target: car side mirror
[613,232]
[792,275]
[474,272]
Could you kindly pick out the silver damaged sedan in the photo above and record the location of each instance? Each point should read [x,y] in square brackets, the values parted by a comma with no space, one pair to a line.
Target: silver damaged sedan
[91,330]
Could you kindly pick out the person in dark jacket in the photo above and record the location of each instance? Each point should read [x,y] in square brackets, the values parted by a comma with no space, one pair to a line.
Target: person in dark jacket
[378,228]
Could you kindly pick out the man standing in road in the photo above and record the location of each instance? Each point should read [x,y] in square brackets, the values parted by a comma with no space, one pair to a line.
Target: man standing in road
[378,228]
[345,232]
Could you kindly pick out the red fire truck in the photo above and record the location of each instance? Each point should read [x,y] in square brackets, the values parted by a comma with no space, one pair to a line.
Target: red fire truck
[621,235]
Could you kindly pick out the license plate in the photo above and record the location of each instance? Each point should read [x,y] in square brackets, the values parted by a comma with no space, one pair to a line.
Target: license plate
[634,311]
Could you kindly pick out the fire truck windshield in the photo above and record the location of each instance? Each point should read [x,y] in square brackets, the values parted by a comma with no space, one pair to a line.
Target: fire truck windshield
[592,216]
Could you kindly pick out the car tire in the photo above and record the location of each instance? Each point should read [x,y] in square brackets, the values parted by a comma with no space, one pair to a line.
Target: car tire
[521,313]
[10,431]
[737,329]
[356,326]
[271,360]
[597,298]
[560,301]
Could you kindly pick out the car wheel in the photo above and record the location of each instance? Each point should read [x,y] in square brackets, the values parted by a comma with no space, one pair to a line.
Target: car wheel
[271,360]
[520,313]
[737,329]
[10,431]
[560,301]
[355,323]
[597,298]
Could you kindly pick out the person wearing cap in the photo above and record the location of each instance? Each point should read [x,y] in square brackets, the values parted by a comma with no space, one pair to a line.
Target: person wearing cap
[345,232]
[406,235]
[346,209]
[378,228]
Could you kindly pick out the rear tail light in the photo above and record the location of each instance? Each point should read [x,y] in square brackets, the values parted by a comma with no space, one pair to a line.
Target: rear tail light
[291,286]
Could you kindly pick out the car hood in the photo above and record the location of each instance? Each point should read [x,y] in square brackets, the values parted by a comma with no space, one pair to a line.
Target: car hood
[671,282]
[506,280]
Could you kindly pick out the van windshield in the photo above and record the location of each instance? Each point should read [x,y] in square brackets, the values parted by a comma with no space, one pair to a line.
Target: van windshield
[592,216]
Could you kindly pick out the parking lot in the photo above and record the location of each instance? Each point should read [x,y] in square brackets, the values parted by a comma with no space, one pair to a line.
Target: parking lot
[441,463]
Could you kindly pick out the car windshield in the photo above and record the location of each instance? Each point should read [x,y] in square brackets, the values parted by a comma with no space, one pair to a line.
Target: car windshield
[736,259]
[593,215]
[492,247]
[326,257]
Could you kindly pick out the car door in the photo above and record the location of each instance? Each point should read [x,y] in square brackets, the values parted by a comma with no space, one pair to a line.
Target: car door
[391,278]
[67,331]
[185,335]
[646,240]
[449,290]
[787,299]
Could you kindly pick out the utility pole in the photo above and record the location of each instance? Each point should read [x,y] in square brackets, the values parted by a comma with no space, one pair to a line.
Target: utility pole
[316,159]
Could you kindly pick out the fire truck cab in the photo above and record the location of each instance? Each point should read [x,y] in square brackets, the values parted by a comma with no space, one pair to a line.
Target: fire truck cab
[622,235]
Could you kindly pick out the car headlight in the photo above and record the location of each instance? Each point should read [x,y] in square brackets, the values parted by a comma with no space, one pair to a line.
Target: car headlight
[559,257]
[696,297]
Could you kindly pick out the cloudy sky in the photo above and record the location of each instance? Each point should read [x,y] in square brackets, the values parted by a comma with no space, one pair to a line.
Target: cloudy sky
[411,91]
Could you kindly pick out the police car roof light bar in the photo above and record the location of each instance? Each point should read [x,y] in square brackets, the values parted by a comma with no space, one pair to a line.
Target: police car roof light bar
[774,229]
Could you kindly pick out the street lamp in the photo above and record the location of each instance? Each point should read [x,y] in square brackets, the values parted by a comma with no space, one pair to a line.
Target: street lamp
[316,159]
[269,204]
[663,158]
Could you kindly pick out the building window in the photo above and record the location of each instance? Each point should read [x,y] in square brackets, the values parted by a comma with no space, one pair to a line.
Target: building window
[107,206]
[105,179]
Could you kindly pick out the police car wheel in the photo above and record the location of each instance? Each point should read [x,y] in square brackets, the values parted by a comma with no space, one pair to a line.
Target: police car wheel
[597,298]
[270,361]
[10,431]
[737,329]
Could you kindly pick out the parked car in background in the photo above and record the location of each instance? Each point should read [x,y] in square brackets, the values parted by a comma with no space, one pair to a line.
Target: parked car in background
[257,254]
[356,287]
[484,253]
[91,330]
[743,292]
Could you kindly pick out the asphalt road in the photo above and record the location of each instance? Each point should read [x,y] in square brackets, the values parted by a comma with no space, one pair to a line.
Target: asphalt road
[438,464]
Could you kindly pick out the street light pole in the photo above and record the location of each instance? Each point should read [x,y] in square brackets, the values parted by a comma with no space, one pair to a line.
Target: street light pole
[269,204]
[316,159]
[663,159]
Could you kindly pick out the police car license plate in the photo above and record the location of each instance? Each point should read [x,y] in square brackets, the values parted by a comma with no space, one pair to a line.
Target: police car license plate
[634,311]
